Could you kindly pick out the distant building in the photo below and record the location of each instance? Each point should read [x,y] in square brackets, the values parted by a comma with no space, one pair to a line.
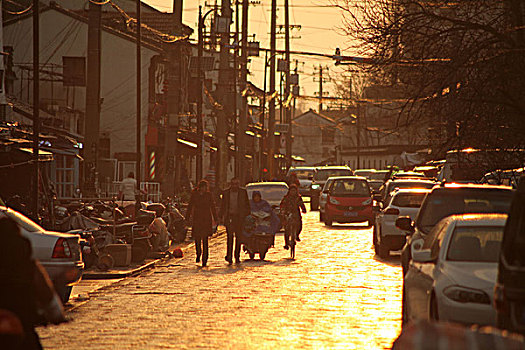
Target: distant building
[315,137]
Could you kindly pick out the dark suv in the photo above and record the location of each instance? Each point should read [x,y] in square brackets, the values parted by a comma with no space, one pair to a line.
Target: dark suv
[450,199]
[509,294]
[322,174]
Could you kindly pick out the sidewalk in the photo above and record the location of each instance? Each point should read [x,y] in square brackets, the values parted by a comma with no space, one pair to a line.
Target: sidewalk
[93,280]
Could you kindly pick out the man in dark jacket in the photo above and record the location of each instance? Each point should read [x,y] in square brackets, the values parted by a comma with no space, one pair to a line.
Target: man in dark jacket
[235,206]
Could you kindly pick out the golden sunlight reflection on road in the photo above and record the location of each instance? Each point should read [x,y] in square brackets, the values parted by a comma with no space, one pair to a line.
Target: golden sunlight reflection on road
[335,295]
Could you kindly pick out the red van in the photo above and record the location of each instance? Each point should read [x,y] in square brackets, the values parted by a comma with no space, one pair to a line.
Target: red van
[349,200]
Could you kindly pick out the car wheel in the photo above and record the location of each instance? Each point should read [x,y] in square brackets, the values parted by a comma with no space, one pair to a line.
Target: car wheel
[404,309]
[262,254]
[251,255]
[65,294]
[374,237]
[328,222]
[384,251]
[434,312]
[314,203]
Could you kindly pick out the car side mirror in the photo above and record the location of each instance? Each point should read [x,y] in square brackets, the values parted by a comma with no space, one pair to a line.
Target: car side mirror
[405,223]
[422,256]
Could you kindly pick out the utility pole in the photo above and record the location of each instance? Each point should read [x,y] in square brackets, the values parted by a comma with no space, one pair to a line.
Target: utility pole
[262,120]
[271,108]
[225,97]
[200,123]
[322,80]
[139,106]
[36,98]
[235,75]
[92,117]
[3,102]
[288,114]
[320,89]
[243,120]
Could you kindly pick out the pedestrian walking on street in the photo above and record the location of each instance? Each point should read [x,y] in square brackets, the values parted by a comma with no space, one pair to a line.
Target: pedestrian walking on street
[235,207]
[203,214]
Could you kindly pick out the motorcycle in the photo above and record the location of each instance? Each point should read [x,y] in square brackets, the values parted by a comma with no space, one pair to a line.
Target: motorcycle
[257,235]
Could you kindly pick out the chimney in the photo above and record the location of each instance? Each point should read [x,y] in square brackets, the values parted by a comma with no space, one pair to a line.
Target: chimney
[177,15]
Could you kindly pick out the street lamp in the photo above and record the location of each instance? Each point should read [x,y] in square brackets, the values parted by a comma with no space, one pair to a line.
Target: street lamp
[200,122]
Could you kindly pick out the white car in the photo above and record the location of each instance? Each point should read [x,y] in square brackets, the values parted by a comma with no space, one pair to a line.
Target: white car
[59,253]
[452,277]
[305,176]
[386,236]
[272,192]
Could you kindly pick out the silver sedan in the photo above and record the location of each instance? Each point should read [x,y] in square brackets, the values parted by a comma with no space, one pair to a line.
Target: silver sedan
[59,253]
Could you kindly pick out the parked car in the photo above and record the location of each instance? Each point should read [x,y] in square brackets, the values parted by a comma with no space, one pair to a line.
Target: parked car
[386,236]
[510,177]
[59,253]
[452,277]
[364,172]
[323,197]
[446,200]
[391,185]
[430,171]
[408,175]
[348,200]
[509,293]
[305,176]
[320,176]
[272,192]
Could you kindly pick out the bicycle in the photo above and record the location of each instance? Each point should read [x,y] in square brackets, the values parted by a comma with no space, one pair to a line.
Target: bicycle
[291,231]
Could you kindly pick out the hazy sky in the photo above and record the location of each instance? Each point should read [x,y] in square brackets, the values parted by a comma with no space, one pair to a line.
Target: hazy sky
[320,33]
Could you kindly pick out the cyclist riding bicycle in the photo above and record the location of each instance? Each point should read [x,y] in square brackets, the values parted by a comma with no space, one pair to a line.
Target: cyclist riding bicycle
[292,203]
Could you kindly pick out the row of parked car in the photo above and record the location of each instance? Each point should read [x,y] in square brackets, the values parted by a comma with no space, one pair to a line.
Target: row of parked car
[463,245]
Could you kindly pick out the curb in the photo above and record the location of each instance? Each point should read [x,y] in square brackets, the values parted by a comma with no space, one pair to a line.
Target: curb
[140,269]
[123,274]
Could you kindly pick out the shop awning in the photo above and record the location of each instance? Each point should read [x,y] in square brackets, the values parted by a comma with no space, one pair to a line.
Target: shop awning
[187,143]
[43,156]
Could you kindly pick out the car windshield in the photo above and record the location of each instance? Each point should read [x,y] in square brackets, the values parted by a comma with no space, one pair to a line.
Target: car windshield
[375,184]
[408,200]
[378,175]
[324,174]
[441,204]
[23,222]
[475,244]
[303,174]
[270,193]
[350,188]
[364,172]
[409,184]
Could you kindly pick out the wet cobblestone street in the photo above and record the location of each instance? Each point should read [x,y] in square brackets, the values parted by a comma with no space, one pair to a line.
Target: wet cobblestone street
[336,294]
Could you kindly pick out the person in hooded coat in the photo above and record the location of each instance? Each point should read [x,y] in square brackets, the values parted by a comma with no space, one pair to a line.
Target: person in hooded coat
[203,215]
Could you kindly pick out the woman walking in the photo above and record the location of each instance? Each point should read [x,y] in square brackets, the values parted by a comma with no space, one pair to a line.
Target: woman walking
[204,215]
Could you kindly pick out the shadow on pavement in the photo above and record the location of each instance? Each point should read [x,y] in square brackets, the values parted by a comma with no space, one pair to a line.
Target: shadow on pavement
[234,268]
[392,260]
[347,227]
